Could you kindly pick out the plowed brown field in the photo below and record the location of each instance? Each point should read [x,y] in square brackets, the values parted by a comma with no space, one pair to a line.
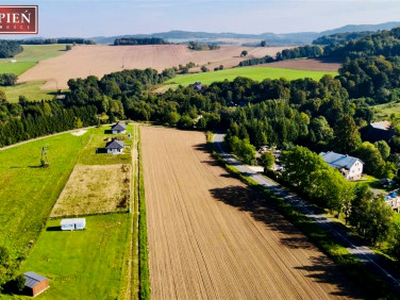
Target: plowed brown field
[210,239]
[98,60]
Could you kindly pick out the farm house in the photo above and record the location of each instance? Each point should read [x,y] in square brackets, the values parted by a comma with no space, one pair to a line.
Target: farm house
[35,284]
[115,147]
[73,224]
[118,128]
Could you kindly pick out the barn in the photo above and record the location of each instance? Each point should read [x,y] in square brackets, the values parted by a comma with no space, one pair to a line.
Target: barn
[115,147]
[73,224]
[118,128]
[35,284]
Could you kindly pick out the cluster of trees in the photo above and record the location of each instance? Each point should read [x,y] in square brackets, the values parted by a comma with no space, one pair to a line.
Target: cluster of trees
[140,41]
[310,51]
[371,217]
[26,120]
[374,77]
[201,47]
[9,48]
[7,79]
[340,38]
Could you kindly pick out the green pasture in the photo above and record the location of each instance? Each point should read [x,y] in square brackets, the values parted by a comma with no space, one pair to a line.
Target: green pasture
[82,264]
[255,73]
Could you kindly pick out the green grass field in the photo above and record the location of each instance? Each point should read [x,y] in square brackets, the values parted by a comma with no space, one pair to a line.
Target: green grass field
[28,192]
[384,111]
[31,55]
[82,264]
[255,73]
[31,90]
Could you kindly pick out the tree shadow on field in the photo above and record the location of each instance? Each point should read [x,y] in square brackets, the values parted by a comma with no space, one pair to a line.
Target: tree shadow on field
[320,268]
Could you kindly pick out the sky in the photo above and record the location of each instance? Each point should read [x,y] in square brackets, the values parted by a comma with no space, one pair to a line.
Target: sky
[89,18]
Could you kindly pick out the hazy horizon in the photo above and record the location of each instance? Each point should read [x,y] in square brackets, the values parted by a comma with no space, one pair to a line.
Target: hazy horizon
[90,18]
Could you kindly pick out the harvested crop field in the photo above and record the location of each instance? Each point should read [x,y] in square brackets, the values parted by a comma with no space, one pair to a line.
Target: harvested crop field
[306,64]
[93,190]
[98,60]
[209,236]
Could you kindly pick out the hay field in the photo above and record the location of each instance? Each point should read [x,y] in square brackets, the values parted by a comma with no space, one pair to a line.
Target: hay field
[95,189]
[306,64]
[98,60]
[210,237]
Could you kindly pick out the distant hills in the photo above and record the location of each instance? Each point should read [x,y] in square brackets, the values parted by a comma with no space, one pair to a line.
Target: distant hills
[299,38]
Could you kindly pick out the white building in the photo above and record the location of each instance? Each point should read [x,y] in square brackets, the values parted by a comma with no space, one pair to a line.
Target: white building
[351,167]
[118,128]
[115,147]
[73,224]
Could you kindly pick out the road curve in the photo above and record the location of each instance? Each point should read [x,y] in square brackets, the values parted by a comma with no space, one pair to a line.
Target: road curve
[363,253]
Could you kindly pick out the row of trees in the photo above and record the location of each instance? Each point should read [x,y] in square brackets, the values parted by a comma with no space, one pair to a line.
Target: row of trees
[139,41]
[7,79]
[371,217]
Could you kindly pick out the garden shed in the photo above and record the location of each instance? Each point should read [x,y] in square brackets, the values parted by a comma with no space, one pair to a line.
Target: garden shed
[35,284]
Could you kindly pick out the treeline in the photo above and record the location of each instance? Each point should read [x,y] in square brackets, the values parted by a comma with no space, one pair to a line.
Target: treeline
[140,41]
[9,48]
[81,41]
[201,47]
[340,38]
[298,52]
[256,61]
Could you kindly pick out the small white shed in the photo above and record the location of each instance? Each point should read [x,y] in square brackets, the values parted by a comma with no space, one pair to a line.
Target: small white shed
[73,224]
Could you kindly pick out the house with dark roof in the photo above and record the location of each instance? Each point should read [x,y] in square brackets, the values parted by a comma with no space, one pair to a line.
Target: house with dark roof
[351,167]
[377,131]
[35,284]
[118,128]
[115,147]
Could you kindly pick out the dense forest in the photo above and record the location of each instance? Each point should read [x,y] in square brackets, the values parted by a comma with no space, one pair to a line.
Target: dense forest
[140,41]
[9,48]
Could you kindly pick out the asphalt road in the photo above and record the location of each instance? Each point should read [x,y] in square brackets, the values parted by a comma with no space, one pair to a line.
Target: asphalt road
[353,245]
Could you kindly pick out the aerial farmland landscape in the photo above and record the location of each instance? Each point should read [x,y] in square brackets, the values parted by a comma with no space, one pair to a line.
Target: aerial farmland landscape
[200,150]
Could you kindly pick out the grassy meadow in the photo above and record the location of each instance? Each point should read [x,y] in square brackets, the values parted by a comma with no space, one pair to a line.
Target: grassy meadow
[31,55]
[28,192]
[31,90]
[255,73]
[82,264]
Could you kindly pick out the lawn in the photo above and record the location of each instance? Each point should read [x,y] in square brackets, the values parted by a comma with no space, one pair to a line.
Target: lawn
[255,73]
[99,138]
[28,192]
[31,90]
[31,55]
[384,111]
[95,190]
[82,264]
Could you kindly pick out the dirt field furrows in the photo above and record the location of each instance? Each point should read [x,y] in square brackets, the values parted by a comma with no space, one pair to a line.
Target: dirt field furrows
[98,60]
[210,239]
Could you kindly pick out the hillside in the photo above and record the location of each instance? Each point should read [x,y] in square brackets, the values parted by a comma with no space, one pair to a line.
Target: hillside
[273,39]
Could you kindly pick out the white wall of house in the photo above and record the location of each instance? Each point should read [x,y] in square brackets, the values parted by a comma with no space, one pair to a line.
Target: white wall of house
[355,171]
[118,132]
[114,151]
